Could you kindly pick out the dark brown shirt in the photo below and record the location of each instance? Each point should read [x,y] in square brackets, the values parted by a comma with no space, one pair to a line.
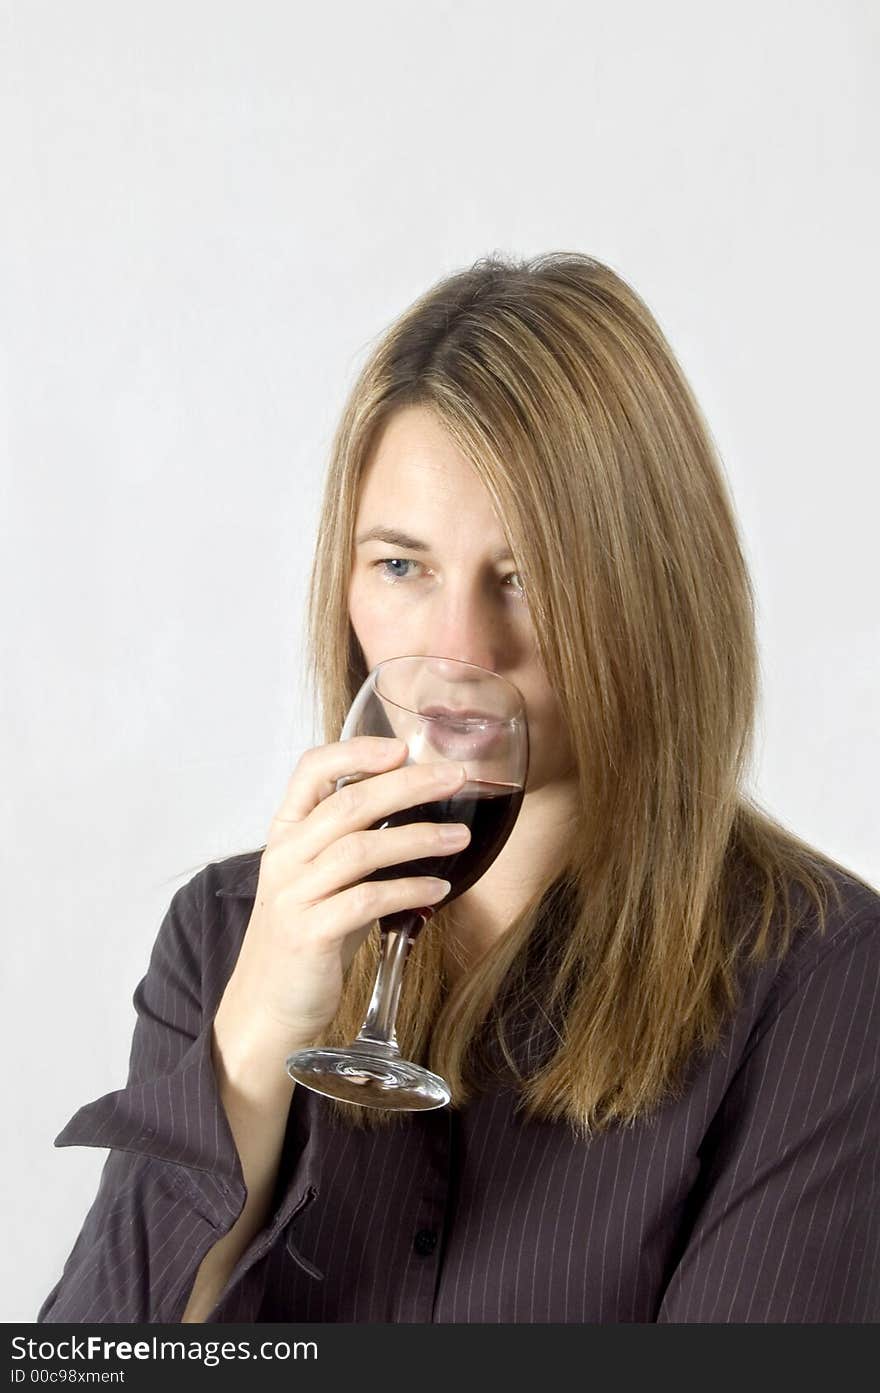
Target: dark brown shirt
[752,1198]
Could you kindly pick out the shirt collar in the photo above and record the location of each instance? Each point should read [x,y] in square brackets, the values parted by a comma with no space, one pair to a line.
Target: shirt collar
[243,873]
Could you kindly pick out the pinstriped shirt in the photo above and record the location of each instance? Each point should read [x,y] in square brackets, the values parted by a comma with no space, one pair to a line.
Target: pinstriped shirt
[750,1197]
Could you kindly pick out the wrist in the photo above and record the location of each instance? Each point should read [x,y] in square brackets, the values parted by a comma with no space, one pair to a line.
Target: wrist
[249,1053]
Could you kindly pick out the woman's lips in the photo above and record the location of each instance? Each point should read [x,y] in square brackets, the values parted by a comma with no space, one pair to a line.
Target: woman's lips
[457,734]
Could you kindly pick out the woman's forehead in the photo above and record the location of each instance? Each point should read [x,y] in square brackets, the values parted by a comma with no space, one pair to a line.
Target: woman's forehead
[414,437]
[417,463]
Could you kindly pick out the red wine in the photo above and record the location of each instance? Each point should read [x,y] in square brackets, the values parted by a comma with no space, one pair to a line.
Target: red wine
[488,809]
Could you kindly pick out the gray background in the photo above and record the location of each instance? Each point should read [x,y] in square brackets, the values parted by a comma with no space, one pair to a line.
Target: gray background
[210,210]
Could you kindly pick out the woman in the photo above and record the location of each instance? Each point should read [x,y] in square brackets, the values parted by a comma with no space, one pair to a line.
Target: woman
[655,1008]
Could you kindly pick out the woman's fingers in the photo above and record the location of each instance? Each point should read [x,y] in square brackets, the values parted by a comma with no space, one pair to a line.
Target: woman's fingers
[359,806]
[359,854]
[315,776]
[335,918]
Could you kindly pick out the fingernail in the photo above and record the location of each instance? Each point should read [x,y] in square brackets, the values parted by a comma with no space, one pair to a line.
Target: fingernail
[453,836]
[449,773]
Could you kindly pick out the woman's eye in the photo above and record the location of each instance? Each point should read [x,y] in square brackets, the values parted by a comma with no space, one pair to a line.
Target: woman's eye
[394,568]
[389,561]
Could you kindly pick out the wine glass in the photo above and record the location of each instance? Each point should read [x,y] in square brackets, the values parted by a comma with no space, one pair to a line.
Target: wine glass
[444,710]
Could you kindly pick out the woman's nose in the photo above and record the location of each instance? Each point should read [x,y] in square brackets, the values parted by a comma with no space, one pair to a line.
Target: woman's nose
[465,633]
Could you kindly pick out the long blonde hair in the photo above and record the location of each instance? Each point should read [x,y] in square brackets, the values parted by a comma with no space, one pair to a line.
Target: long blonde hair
[554,380]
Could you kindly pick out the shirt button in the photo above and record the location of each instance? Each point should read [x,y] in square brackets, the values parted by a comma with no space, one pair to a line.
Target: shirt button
[425,1242]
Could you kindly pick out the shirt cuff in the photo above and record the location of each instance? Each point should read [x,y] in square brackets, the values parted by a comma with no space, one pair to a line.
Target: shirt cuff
[177,1117]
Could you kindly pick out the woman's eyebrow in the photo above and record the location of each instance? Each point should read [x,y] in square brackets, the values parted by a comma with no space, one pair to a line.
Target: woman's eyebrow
[396,538]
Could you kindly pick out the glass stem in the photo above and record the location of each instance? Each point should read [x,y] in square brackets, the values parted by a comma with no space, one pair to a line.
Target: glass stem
[378,1028]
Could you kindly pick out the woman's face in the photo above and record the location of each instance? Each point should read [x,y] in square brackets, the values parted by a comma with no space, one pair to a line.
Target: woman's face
[446,583]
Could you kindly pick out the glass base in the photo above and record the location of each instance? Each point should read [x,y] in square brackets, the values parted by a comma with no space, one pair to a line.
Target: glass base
[374,1076]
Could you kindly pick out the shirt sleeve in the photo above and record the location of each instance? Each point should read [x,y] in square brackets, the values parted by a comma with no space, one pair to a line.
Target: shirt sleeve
[172,1184]
[786,1215]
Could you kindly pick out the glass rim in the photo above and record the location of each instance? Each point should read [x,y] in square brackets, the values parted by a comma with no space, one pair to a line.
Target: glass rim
[476,721]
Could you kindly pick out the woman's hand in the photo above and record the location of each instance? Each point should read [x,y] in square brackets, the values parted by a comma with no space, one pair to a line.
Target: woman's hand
[313,907]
